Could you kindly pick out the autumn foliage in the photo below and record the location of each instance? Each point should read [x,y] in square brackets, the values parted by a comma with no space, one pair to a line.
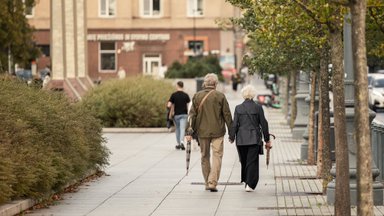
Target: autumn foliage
[46,142]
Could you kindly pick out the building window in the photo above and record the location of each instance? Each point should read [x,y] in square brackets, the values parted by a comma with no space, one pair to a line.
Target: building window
[150,8]
[45,50]
[107,56]
[107,8]
[28,10]
[195,8]
[151,64]
[197,47]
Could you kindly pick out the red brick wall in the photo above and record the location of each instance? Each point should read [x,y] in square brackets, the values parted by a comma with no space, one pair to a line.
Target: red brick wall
[171,50]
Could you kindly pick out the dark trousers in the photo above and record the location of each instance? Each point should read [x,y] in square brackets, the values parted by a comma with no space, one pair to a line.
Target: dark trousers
[249,159]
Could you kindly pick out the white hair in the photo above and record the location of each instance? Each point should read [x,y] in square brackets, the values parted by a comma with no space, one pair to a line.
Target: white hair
[248,92]
[210,80]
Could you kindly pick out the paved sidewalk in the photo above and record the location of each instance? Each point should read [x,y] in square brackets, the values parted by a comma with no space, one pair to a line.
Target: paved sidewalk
[147,177]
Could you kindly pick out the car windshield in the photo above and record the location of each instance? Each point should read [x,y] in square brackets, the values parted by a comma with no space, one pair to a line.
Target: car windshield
[379,83]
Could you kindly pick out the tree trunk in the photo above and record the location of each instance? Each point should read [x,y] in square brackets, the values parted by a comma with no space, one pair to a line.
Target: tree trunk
[342,193]
[325,123]
[320,138]
[362,130]
[293,98]
[311,122]
[286,95]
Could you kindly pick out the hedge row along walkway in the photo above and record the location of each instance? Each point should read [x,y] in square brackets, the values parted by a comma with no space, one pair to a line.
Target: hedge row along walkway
[147,177]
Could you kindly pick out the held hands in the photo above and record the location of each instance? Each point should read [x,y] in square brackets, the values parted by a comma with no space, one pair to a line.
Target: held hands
[231,141]
[188,134]
[268,145]
[188,138]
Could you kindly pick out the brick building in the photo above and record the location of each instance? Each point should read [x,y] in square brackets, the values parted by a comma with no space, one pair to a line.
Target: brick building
[142,36]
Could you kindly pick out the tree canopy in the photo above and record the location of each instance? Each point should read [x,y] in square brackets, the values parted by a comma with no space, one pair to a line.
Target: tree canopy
[16,35]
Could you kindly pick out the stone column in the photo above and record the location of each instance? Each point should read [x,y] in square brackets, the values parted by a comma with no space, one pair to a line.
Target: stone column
[302,107]
[57,40]
[81,39]
[68,39]
[352,146]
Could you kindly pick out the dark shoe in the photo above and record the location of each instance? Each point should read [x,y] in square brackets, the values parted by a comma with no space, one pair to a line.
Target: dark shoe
[213,189]
[182,146]
[177,147]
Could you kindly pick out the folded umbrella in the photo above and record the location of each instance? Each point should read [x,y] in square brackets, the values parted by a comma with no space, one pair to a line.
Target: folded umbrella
[268,149]
[188,154]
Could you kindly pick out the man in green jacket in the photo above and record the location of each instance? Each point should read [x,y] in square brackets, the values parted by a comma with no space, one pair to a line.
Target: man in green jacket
[207,118]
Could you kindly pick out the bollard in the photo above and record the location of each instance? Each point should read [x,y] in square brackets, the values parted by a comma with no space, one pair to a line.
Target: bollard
[374,144]
[377,142]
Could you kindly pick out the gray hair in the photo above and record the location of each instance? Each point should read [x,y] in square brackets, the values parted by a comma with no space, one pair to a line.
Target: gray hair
[210,80]
[248,92]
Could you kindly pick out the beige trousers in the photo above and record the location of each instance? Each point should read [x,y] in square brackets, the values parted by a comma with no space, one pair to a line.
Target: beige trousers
[211,173]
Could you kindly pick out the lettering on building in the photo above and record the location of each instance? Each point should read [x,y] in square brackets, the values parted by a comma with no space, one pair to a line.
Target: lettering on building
[128,37]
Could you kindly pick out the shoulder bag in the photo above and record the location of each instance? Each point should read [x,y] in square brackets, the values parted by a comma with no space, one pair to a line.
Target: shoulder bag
[196,122]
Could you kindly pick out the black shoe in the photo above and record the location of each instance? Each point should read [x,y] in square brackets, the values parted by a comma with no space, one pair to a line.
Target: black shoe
[177,147]
[182,146]
[214,189]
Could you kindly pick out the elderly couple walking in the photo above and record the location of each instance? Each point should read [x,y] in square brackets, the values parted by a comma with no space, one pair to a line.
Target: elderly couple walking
[208,116]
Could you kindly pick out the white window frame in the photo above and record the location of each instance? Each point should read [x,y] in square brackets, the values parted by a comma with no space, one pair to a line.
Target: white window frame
[107,8]
[151,11]
[147,59]
[32,11]
[107,52]
[192,10]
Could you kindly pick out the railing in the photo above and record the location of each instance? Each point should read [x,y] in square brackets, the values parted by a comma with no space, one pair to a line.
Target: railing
[377,142]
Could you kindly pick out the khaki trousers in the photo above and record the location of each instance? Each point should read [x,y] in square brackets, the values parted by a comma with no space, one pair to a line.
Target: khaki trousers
[211,173]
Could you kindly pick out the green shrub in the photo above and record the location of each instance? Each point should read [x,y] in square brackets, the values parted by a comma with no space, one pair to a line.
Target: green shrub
[45,141]
[197,67]
[132,102]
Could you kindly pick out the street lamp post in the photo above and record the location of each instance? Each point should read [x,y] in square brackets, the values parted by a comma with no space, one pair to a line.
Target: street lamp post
[194,32]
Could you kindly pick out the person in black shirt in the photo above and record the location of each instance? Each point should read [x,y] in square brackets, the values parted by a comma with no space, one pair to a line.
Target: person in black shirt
[179,99]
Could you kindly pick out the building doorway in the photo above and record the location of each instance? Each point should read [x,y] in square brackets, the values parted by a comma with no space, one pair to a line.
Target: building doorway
[151,64]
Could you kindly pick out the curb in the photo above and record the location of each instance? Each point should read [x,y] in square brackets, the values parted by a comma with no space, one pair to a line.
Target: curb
[16,207]
[136,130]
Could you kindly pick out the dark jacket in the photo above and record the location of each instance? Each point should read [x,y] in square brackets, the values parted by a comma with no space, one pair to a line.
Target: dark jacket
[248,128]
[210,121]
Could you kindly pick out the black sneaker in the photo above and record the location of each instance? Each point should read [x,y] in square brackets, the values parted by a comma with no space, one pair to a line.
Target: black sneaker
[177,147]
[182,146]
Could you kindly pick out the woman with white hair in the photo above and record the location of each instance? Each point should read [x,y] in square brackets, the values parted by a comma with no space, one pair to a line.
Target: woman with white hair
[248,128]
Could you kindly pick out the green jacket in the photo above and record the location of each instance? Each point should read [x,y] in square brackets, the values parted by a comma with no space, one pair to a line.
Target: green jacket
[210,121]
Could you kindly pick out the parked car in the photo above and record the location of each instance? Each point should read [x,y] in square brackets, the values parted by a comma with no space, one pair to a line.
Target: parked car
[376,91]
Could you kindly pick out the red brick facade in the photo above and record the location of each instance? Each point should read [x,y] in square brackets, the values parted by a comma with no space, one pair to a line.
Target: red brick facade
[170,50]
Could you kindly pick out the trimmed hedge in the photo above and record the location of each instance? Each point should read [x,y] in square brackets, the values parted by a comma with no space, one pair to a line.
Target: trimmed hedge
[132,102]
[197,67]
[46,142]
